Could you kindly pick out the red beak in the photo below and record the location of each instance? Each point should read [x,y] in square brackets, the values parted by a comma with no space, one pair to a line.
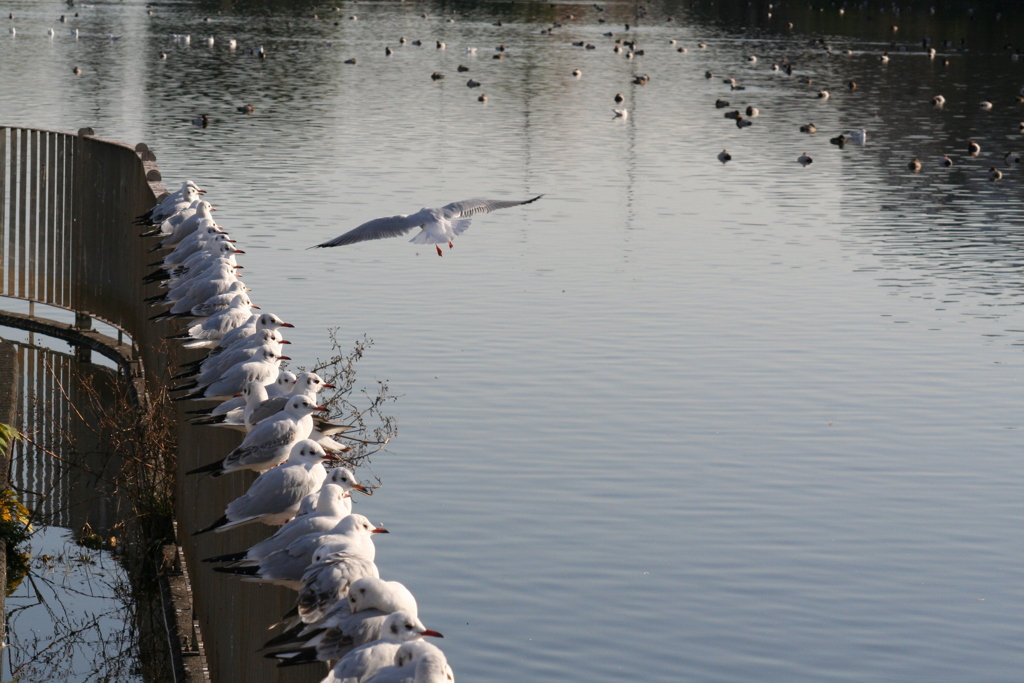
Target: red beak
[239,251]
[284,341]
[253,306]
[428,632]
[287,325]
[320,408]
[285,358]
[380,530]
[329,386]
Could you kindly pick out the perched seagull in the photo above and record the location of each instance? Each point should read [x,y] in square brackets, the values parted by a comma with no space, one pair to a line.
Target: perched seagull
[275,496]
[270,443]
[349,623]
[417,667]
[334,502]
[365,660]
[437,225]
[351,537]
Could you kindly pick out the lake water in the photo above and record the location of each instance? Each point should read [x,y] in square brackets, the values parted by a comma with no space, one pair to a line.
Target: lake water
[676,420]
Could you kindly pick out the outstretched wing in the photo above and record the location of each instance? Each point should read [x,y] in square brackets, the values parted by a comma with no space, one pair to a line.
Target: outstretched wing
[378,228]
[474,207]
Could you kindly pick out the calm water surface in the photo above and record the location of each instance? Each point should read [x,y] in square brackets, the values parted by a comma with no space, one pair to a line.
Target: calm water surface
[676,420]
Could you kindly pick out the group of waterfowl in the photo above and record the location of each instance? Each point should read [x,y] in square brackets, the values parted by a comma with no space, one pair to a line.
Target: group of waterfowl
[859,136]
[364,628]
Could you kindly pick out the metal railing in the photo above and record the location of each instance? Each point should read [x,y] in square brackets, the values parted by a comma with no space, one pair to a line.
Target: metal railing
[67,203]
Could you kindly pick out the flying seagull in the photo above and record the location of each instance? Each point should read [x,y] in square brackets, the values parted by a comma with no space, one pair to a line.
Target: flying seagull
[438,225]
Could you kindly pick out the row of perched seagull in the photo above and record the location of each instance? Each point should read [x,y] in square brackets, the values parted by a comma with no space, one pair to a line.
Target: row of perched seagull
[365,628]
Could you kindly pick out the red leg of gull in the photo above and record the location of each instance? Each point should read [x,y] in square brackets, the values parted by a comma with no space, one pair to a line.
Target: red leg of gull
[450,245]
[439,252]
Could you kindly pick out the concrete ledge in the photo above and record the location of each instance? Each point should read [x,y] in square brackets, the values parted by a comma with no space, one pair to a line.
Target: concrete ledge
[188,656]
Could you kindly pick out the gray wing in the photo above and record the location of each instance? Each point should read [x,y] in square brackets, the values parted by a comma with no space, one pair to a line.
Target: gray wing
[474,207]
[269,408]
[378,228]
[358,629]
[273,492]
[264,445]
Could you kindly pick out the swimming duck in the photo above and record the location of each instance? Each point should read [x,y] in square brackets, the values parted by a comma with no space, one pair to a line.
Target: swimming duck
[472,84]
[76,71]
[641,80]
[805,159]
[884,59]
[839,140]
[945,161]
[742,122]
[809,128]
[985,106]
[823,94]
[806,80]
[994,174]
[246,109]
[724,156]
[915,165]
[852,85]
[436,76]
[388,52]
[859,136]
[735,114]
[619,98]
[577,73]
[938,100]
[462,69]
[201,121]
[1011,158]
[753,111]
[351,61]
[973,148]
[721,104]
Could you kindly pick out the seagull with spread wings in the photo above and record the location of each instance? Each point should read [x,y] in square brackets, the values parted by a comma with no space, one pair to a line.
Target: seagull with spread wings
[437,225]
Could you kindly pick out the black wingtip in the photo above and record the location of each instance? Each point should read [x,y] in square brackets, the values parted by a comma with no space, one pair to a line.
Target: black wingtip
[230,557]
[216,525]
[214,467]
[238,571]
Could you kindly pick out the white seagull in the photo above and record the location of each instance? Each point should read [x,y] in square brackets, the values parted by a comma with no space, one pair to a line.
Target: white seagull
[438,225]
[275,496]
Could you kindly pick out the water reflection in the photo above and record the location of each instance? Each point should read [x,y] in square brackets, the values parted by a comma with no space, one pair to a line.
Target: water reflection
[70,617]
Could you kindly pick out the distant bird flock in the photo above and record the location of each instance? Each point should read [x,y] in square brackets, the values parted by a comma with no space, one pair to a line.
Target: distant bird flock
[364,628]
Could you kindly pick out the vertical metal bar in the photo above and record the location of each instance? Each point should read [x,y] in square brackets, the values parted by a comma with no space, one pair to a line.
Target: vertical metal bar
[12,218]
[51,218]
[64,164]
[22,213]
[3,204]
[34,182]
